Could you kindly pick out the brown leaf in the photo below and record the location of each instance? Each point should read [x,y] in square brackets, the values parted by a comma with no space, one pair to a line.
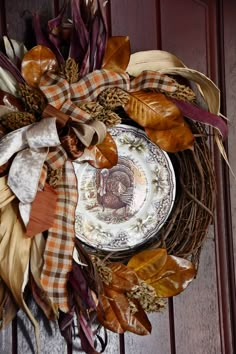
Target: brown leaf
[173,277]
[107,317]
[42,219]
[173,140]
[15,248]
[147,263]
[36,62]
[137,323]
[123,278]
[153,110]
[10,101]
[105,154]
[117,54]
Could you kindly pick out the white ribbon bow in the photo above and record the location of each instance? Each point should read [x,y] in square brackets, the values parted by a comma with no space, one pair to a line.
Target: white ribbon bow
[31,143]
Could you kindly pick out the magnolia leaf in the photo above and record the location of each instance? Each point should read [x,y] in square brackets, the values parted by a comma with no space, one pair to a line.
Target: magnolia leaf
[137,323]
[153,110]
[147,263]
[36,62]
[154,60]
[173,140]
[107,317]
[173,277]
[123,278]
[105,154]
[10,101]
[117,54]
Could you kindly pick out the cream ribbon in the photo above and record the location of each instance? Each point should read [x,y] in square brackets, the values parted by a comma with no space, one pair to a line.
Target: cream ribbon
[31,143]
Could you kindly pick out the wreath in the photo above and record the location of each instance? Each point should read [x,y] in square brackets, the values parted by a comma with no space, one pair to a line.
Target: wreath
[60,102]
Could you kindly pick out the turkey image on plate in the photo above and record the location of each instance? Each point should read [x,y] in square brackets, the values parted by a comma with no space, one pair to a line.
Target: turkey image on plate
[123,207]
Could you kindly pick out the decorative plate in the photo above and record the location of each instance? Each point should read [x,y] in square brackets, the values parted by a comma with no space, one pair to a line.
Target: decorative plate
[123,207]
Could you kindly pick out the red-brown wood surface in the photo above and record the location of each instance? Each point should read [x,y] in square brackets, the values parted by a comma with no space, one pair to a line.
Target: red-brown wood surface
[202,34]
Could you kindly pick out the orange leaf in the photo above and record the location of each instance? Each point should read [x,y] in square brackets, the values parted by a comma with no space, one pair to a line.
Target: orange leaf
[117,54]
[172,140]
[173,277]
[123,278]
[107,317]
[36,62]
[147,263]
[137,323]
[153,110]
[105,154]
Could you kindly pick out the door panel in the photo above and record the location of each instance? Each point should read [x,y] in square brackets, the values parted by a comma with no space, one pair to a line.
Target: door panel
[202,34]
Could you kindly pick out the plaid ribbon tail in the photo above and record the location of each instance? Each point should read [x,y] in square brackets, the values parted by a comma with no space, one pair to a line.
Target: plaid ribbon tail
[60,242]
[153,80]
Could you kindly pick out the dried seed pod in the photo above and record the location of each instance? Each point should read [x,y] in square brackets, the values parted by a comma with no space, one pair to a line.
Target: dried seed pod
[15,120]
[71,70]
[34,100]
[112,98]
[109,118]
[93,108]
[183,93]
[147,297]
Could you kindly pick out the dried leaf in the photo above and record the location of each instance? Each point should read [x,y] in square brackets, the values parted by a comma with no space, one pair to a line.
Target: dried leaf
[15,50]
[199,115]
[147,263]
[105,154]
[169,64]
[7,82]
[117,54]
[107,317]
[14,251]
[169,275]
[10,101]
[8,307]
[206,86]
[36,62]
[153,110]
[123,278]
[152,60]
[42,219]
[173,277]
[115,312]
[173,140]
[137,323]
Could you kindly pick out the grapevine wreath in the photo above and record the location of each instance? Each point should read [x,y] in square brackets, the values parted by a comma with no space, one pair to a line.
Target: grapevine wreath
[85,127]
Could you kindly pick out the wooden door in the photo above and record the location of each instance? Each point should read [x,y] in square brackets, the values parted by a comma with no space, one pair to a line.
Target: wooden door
[202,320]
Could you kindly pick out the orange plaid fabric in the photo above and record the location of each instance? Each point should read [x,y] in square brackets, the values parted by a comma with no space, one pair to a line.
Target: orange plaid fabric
[60,240]
[91,85]
[65,97]
[152,80]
